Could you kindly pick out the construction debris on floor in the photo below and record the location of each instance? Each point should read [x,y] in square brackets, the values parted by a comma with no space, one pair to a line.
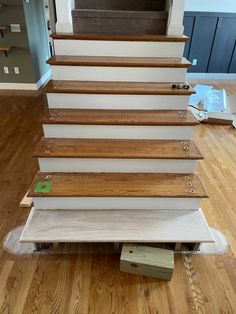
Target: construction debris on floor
[213,106]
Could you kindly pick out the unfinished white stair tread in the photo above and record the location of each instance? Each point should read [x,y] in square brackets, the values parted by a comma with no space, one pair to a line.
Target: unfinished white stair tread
[116,225]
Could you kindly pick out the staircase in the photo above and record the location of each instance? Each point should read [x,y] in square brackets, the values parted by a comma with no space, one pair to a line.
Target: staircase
[117,161]
[120,17]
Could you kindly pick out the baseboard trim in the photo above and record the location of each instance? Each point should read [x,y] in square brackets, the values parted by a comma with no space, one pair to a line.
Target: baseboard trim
[19,86]
[44,79]
[27,86]
[216,76]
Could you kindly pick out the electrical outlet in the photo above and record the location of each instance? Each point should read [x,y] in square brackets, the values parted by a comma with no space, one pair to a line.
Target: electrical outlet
[15,28]
[6,70]
[17,71]
[194,62]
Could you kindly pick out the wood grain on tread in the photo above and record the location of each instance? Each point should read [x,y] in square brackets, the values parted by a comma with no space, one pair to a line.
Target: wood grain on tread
[99,226]
[127,88]
[119,117]
[120,185]
[119,61]
[120,37]
[106,148]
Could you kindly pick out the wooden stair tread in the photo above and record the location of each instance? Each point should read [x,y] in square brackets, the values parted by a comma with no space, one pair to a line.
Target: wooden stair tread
[116,226]
[119,117]
[119,37]
[127,88]
[119,185]
[119,61]
[105,148]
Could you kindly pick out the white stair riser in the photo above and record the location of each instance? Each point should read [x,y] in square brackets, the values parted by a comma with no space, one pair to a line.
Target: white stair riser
[118,48]
[116,165]
[101,101]
[118,74]
[118,132]
[144,203]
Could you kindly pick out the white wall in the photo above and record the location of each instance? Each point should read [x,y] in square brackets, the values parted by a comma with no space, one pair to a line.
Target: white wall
[228,6]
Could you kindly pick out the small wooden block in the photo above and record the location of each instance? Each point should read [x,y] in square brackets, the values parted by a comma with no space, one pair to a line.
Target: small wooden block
[147,261]
[27,201]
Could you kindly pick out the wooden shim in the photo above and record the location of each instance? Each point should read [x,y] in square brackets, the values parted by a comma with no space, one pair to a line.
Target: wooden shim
[26,201]
[147,261]
[178,246]
[196,246]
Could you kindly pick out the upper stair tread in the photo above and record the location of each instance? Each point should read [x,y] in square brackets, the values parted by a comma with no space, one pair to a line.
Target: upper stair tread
[120,37]
[116,226]
[119,117]
[119,61]
[116,148]
[98,13]
[119,185]
[127,88]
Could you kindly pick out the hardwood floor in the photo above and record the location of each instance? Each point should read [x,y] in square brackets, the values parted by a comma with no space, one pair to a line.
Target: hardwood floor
[92,283]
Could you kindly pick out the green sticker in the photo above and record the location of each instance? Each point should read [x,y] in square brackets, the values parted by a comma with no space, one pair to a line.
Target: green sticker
[43,187]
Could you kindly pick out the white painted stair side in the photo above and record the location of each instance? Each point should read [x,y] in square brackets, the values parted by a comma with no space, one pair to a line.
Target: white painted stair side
[118,131]
[104,101]
[118,74]
[118,48]
[134,203]
[116,165]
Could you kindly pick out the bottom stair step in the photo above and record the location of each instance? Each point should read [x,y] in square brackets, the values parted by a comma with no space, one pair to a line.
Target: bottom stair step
[116,226]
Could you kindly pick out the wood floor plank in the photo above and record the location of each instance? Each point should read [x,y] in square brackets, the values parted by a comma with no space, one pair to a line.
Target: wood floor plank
[115,148]
[120,37]
[157,62]
[118,185]
[118,225]
[123,88]
[119,117]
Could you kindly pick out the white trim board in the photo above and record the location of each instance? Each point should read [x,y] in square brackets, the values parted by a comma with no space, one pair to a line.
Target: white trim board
[118,48]
[27,86]
[104,101]
[116,165]
[118,131]
[18,86]
[116,226]
[144,203]
[118,74]
[216,76]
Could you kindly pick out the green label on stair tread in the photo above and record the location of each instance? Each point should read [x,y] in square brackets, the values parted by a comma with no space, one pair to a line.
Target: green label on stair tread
[43,187]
